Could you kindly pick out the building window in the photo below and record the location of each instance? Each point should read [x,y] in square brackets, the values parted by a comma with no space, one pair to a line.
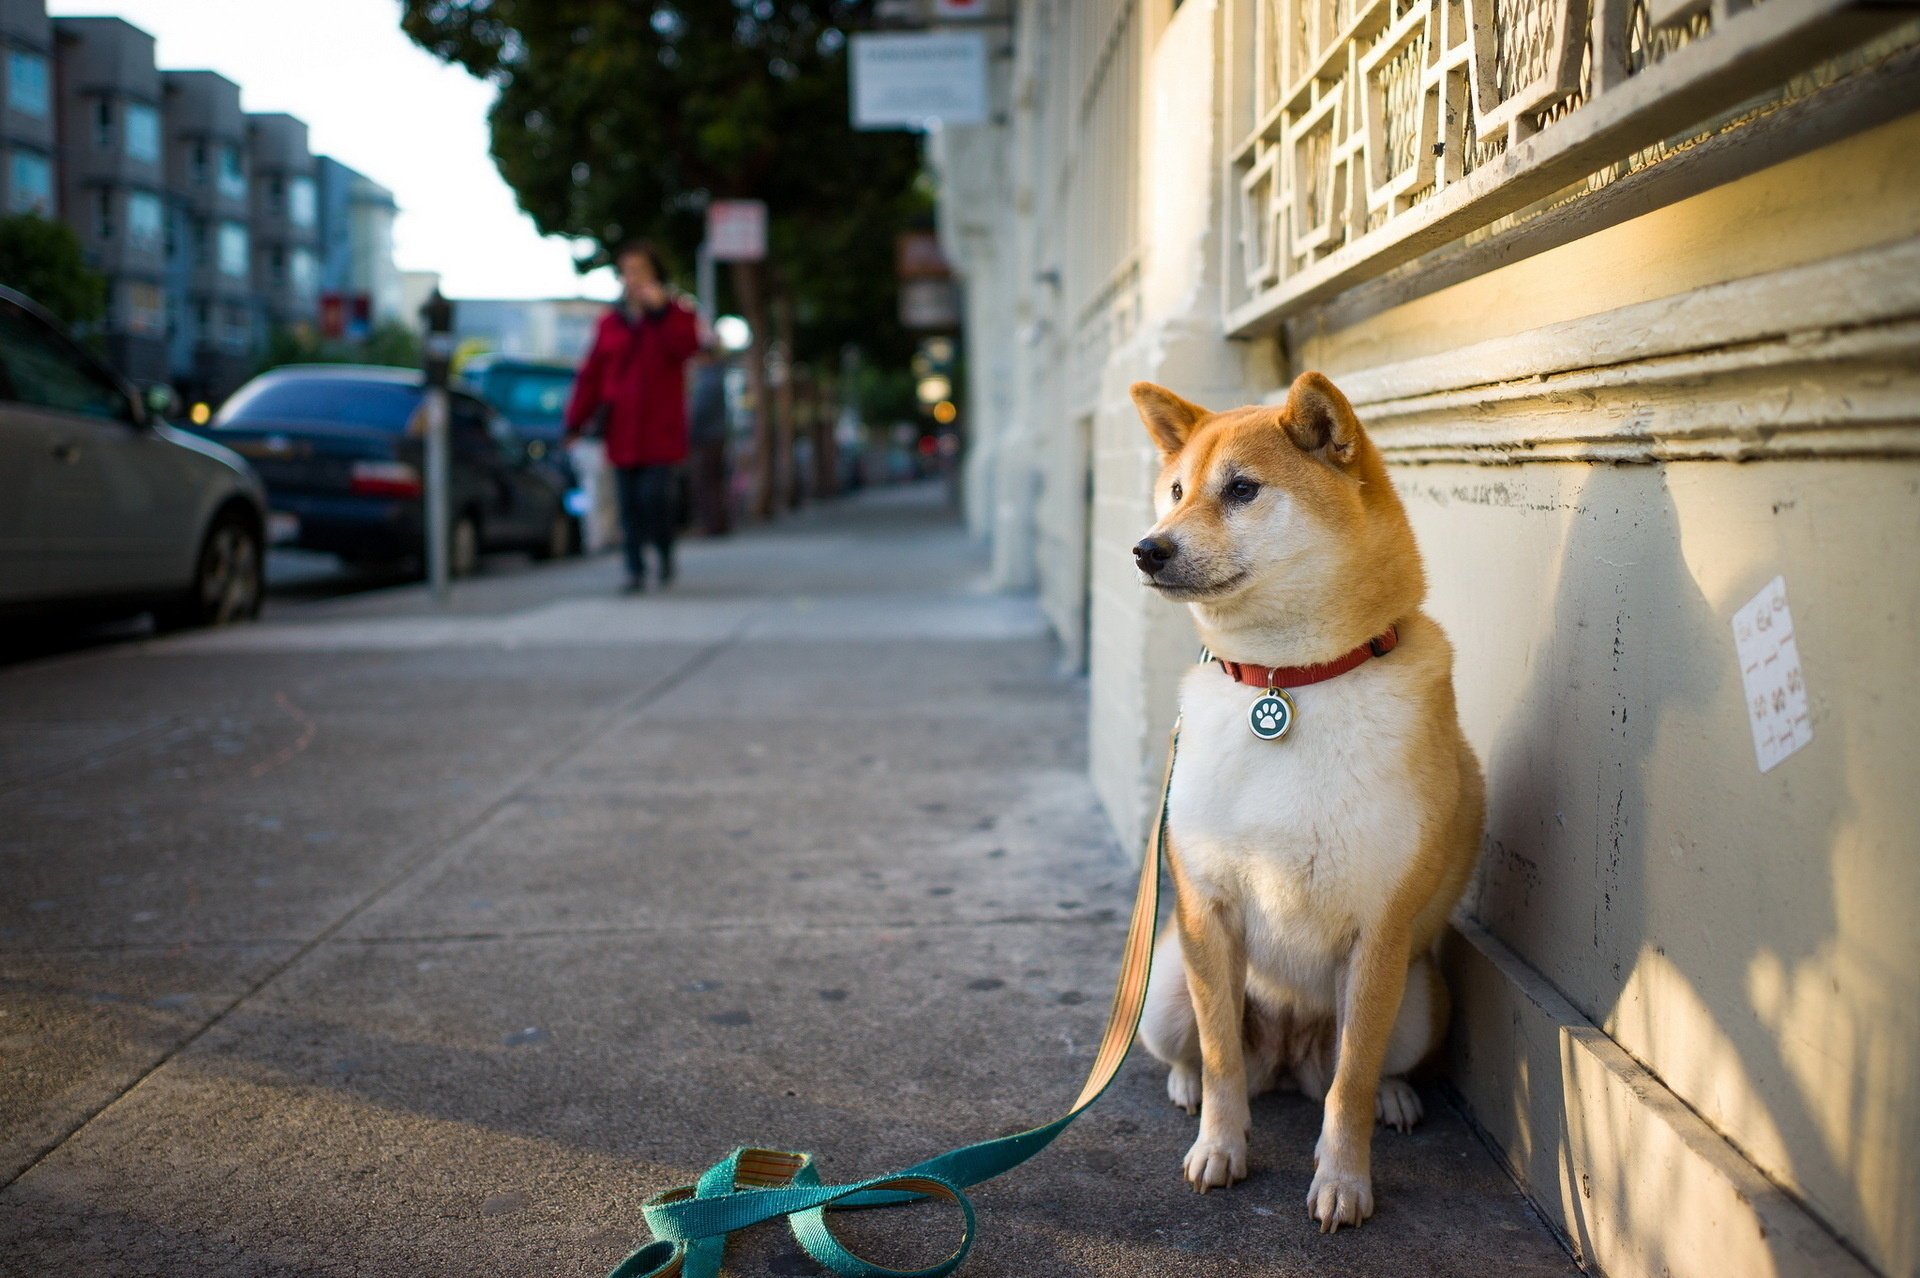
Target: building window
[103,123]
[145,309]
[276,193]
[306,275]
[197,163]
[277,264]
[197,230]
[238,329]
[32,184]
[301,203]
[202,321]
[27,83]
[145,219]
[143,133]
[233,178]
[233,249]
[103,206]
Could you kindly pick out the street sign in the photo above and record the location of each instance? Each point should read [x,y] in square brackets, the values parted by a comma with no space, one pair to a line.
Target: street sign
[919,79]
[917,256]
[737,230]
[929,304]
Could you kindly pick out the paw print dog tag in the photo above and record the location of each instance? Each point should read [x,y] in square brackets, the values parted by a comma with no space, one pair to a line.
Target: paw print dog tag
[1271,715]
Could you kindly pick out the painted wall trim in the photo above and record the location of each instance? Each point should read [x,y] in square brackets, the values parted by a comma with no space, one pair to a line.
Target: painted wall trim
[1755,49]
[1637,1183]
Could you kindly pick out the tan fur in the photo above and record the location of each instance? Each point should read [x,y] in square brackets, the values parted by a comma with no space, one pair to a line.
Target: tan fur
[1320,559]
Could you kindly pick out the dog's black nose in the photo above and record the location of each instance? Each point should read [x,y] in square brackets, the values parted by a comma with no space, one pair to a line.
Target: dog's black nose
[1152,554]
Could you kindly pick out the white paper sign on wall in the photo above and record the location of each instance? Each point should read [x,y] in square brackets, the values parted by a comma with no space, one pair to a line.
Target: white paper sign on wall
[1770,673]
[910,80]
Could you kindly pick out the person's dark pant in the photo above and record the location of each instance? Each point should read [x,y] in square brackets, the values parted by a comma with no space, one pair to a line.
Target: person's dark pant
[646,515]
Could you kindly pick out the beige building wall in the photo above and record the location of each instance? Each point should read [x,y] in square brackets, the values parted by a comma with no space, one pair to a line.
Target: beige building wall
[1623,383]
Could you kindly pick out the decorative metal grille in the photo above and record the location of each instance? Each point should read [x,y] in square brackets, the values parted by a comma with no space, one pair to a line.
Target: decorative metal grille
[1377,119]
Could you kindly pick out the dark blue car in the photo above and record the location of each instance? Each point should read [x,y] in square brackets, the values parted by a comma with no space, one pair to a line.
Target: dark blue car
[340,450]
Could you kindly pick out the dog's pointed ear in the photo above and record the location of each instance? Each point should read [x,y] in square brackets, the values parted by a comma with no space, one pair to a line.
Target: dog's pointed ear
[1318,419]
[1167,417]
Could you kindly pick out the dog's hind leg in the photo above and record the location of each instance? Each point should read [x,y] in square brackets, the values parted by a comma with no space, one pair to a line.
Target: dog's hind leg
[1417,1031]
[1167,1026]
[1418,1028]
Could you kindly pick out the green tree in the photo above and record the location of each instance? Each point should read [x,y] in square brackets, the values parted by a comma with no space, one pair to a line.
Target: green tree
[621,118]
[42,259]
[392,344]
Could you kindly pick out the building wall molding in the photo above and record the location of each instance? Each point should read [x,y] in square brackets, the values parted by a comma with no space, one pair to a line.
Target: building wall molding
[1601,1145]
[1814,360]
[1323,206]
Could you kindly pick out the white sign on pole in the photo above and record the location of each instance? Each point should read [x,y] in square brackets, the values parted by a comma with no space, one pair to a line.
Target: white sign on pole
[737,230]
[913,80]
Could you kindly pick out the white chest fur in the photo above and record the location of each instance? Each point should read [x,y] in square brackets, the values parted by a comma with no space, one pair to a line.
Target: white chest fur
[1307,835]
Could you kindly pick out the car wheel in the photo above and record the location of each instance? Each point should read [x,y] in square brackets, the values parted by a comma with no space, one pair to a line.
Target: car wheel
[463,548]
[559,539]
[229,578]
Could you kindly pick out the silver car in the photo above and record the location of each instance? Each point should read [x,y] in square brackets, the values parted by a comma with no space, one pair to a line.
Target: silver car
[105,506]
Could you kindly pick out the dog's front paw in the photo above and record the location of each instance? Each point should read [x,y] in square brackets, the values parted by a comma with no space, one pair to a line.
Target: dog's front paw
[1339,1198]
[1397,1105]
[1215,1161]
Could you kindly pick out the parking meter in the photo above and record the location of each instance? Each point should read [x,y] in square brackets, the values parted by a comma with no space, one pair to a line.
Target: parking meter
[437,315]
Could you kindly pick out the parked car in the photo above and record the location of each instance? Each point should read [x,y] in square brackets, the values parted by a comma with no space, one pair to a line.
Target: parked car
[103,506]
[342,452]
[532,394]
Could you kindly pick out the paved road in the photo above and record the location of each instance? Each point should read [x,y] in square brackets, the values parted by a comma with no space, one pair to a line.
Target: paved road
[380,939]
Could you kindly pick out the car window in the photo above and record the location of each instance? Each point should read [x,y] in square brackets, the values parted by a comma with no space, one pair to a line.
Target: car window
[42,370]
[381,404]
[527,395]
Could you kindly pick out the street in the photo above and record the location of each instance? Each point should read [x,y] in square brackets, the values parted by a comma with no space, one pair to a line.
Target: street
[386,938]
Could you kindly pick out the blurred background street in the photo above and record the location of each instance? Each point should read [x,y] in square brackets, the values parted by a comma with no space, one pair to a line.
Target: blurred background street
[378,938]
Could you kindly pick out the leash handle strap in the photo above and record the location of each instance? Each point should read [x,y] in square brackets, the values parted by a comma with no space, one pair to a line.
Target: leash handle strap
[690,1223]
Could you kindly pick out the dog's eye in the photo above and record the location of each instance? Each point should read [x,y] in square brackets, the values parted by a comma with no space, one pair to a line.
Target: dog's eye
[1243,490]
[1177,490]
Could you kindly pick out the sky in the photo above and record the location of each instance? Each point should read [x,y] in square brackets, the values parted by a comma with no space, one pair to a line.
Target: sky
[378,103]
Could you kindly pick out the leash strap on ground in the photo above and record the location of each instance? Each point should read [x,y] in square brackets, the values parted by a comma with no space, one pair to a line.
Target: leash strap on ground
[750,1186]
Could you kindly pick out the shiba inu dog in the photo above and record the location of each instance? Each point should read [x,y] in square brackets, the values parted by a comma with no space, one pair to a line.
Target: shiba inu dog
[1326,810]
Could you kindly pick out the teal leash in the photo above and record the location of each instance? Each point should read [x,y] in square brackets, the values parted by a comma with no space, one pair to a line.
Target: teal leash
[749,1186]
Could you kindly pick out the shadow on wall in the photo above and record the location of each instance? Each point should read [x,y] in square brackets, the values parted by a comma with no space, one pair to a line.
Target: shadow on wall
[1682,900]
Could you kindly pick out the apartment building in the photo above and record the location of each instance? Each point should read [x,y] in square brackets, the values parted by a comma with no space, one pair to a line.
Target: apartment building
[359,284]
[1628,295]
[113,179]
[209,261]
[27,135]
[286,218]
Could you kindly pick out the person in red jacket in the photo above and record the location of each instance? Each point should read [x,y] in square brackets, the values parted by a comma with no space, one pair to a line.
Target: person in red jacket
[632,392]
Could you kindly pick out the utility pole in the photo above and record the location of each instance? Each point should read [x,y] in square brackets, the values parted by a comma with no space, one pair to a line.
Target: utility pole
[705,284]
[437,314]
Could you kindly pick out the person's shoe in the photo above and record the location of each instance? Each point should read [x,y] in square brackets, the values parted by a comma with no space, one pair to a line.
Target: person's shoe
[634,586]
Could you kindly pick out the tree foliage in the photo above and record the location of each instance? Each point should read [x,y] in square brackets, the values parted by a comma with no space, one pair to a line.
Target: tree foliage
[392,344]
[42,259]
[620,118]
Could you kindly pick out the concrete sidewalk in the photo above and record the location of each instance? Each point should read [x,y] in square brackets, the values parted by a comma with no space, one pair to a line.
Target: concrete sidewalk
[371,941]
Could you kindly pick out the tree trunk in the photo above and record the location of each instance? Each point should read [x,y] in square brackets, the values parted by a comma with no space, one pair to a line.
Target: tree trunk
[753,308]
[826,421]
[787,493]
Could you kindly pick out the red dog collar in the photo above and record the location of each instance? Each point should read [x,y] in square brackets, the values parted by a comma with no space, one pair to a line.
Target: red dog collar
[1300,676]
